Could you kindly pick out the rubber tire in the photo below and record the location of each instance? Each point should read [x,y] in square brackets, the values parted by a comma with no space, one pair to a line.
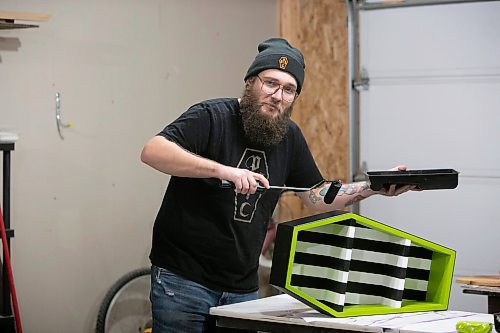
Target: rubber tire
[113,290]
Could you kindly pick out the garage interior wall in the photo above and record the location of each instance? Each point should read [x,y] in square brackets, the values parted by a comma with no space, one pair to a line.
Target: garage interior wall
[83,208]
[319,29]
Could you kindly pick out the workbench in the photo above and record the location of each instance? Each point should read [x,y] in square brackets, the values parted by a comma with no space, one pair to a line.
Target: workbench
[488,285]
[282,313]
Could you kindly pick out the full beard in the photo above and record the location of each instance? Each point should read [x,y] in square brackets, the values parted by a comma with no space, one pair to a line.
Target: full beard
[260,128]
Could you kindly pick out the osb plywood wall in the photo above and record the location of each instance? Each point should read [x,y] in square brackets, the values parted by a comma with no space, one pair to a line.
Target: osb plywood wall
[319,29]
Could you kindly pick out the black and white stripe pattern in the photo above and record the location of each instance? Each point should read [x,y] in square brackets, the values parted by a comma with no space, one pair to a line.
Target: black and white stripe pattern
[419,266]
[347,263]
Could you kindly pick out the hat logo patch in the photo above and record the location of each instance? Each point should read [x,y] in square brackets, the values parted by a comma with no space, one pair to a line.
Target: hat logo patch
[283,62]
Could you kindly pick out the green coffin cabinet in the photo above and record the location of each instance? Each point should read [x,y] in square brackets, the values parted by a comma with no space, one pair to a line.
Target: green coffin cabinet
[343,264]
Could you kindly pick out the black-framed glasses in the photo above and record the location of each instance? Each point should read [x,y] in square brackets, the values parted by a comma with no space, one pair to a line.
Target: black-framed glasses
[270,87]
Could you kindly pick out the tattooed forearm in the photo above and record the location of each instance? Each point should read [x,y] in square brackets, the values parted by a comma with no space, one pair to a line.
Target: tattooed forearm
[313,197]
[353,192]
[353,188]
[317,198]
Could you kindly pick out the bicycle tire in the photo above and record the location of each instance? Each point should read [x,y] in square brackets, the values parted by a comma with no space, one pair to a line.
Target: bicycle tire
[115,291]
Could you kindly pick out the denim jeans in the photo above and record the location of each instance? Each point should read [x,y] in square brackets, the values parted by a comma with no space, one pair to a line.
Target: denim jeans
[181,305]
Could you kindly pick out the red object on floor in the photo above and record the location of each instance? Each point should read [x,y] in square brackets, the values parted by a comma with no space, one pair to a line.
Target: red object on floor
[270,236]
[10,275]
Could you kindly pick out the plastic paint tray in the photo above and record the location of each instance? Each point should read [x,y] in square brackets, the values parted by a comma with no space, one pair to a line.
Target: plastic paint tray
[432,179]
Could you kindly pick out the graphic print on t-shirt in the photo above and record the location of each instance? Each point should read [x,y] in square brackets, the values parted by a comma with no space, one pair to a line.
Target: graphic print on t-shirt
[253,160]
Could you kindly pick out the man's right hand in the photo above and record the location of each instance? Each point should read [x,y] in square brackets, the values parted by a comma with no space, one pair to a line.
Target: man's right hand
[245,181]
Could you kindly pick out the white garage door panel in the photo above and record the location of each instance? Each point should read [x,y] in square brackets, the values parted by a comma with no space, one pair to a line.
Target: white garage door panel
[433,126]
[434,102]
[425,39]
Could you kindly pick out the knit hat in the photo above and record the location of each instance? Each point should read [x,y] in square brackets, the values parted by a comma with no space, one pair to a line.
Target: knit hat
[277,53]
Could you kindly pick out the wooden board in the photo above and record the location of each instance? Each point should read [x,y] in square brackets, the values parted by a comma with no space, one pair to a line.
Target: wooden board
[23,16]
[481,280]
[319,29]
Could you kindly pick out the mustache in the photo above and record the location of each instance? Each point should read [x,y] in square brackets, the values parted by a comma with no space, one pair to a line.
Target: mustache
[273,105]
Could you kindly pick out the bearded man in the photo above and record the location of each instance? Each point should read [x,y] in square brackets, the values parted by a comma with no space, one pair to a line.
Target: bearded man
[206,239]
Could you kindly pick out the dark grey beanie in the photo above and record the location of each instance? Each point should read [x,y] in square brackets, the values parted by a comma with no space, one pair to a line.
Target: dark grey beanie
[277,53]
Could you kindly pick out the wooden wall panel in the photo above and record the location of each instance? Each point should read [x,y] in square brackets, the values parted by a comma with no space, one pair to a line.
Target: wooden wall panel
[319,29]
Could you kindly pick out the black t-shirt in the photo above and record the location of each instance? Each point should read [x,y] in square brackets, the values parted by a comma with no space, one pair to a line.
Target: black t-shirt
[207,233]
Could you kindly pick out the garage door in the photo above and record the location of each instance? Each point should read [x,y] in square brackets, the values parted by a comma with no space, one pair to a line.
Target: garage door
[434,102]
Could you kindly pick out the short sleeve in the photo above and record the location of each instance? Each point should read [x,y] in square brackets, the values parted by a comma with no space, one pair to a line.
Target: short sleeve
[191,130]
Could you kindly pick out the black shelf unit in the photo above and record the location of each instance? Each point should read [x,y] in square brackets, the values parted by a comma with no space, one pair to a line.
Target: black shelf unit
[7,323]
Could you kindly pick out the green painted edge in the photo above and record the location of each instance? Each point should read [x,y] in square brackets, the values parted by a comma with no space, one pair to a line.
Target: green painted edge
[365,310]
[439,284]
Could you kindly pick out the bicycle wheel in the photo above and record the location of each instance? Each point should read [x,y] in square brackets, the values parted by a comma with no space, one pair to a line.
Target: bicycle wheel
[126,306]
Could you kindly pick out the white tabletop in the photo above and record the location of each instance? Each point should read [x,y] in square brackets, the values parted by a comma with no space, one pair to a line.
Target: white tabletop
[285,310]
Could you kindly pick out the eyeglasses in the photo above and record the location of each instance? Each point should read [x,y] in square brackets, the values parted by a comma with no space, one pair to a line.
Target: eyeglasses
[270,87]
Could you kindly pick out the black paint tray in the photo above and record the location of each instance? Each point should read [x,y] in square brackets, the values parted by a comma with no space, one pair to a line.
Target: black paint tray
[432,179]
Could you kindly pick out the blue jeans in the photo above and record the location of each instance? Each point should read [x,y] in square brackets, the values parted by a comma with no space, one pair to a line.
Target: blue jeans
[181,305]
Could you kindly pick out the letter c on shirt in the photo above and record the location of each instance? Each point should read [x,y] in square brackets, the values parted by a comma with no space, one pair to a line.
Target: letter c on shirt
[242,207]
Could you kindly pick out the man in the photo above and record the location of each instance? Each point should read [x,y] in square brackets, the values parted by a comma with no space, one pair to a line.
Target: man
[207,239]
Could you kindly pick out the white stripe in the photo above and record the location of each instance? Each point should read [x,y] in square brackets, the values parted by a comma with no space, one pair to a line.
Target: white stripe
[419,263]
[372,234]
[335,229]
[381,258]
[324,250]
[416,284]
[322,272]
[376,279]
[324,295]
